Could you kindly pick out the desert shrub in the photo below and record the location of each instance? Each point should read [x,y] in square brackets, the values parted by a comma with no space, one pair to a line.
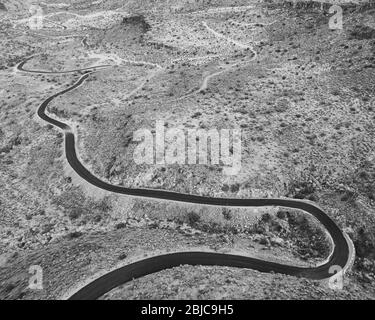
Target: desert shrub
[193,218]
[120,225]
[122,256]
[282,214]
[235,187]
[301,187]
[74,235]
[309,236]
[77,206]
[364,242]
[362,32]
[363,179]
[365,265]
[9,287]
[306,234]
[74,214]
[227,214]
[103,205]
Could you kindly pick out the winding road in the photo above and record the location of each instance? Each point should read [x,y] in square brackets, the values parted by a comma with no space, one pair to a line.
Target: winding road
[342,253]
[20,67]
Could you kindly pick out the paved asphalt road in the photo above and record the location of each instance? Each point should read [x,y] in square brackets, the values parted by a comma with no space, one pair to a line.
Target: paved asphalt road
[341,255]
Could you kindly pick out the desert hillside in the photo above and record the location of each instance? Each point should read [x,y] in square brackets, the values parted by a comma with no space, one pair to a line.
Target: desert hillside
[301,92]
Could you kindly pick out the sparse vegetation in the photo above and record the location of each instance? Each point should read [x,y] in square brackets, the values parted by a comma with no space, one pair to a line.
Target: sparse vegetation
[301,93]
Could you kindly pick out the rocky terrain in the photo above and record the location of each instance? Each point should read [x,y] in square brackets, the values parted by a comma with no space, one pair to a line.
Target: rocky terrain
[302,94]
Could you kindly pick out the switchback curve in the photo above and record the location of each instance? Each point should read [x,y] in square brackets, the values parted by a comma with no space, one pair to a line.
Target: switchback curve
[341,256]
